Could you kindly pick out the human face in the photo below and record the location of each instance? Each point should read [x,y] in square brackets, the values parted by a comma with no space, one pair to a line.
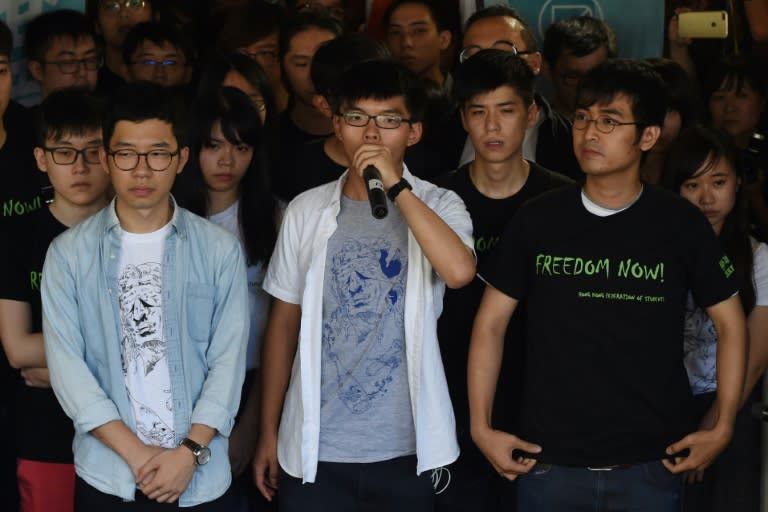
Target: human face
[143,190]
[265,52]
[81,183]
[238,81]
[498,32]
[414,40]
[396,140]
[63,49]
[618,152]
[496,122]
[567,72]
[115,24]
[164,64]
[669,131]
[5,84]
[713,191]
[224,164]
[298,59]
[736,111]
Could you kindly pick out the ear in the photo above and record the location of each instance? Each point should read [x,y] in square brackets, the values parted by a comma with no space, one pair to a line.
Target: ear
[183,158]
[463,119]
[36,70]
[445,39]
[42,164]
[337,125]
[534,60]
[414,134]
[322,105]
[533,112]
[649,137]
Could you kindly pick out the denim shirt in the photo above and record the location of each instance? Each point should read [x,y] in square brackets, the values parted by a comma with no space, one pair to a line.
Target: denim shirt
[205,317]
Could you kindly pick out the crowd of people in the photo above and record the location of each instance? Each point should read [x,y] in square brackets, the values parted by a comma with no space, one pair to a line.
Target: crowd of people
[340,255]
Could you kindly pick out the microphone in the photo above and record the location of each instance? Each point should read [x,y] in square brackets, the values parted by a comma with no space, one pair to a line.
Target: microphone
[376,195]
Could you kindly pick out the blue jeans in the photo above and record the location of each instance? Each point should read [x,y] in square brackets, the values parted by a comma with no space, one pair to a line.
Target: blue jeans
[646,487]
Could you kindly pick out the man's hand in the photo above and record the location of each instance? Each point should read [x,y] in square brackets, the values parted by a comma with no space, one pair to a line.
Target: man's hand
[497,446]
[166,475]
[265,466]
[703,447]
[673,32]
[379,157]
[36,377]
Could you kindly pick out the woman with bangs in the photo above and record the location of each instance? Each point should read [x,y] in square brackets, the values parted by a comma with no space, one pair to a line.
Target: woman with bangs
[703,166]
[227,181]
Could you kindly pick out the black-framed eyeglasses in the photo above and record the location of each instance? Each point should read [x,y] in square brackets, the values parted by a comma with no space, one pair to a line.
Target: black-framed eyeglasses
[70,66]
[157,160]
[166,63]
[502,44]
[114,6]
[385,121]
[604,124]
[68,156]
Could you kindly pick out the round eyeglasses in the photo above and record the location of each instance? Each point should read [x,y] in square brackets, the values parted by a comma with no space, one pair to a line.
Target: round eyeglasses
[157,160]
[385,121]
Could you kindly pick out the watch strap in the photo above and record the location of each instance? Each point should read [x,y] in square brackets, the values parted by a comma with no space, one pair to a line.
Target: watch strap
[398,187]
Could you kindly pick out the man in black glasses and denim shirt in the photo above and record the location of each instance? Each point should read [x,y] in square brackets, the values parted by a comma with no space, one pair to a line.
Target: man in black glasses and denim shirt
[605,269]
[61,51]
[145,321]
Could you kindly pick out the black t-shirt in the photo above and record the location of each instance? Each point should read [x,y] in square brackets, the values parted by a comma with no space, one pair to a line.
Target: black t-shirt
[292,140]
[454,328]
[20,193]
[604,375]
[43,431]
[312,167]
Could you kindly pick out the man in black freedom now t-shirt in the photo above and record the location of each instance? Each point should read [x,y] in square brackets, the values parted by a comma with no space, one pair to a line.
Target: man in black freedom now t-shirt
[604,270]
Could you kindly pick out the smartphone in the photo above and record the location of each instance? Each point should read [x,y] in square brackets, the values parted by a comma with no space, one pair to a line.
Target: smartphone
[703,25]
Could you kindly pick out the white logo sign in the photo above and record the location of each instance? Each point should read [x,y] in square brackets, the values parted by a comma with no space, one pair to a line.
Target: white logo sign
[555,10]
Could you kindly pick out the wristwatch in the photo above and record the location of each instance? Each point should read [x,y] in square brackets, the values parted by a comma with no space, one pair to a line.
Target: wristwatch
[202,453]
[398,187]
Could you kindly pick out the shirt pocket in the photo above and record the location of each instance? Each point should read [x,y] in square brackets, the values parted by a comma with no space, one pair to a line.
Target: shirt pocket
[200,302]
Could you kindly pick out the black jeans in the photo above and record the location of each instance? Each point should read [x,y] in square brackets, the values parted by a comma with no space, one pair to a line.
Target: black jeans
[89,499]
[390,485]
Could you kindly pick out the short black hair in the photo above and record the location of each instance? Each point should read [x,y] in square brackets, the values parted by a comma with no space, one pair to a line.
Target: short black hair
[444,17]
[305,21]
[580,35]
[142,101]
[69,111]
[158,33]
[381,79]
[490,69]
[337,55]
[43,29]
[504,11]
[634,79]
[246,24]
[6,40]
[681,90]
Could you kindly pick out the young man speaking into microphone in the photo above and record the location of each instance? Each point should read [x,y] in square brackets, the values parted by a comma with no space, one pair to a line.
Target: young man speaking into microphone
[351,355]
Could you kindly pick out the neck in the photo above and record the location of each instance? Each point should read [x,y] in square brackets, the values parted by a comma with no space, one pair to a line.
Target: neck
[309,119]
[435,74]
[70,214]
[652,167]
[143,220]
[113,59]
[335,150]
[220,201]
[499,180]
[614,191]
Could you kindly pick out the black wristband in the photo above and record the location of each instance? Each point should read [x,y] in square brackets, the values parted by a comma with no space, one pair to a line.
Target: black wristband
[398,187]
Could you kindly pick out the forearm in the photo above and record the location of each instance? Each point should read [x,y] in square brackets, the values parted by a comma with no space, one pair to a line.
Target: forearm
[731,360]
[250,413]
[116,436]
[757,354]
[23,347]
[280,345]
[452,260]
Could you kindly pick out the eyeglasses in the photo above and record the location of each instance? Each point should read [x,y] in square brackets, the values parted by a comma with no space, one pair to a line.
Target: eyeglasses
[263,57]
[166,63]
[114,6]
[71,66]
[503,44]
[157,160]
[603,124]
[68,156]
[385,121]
